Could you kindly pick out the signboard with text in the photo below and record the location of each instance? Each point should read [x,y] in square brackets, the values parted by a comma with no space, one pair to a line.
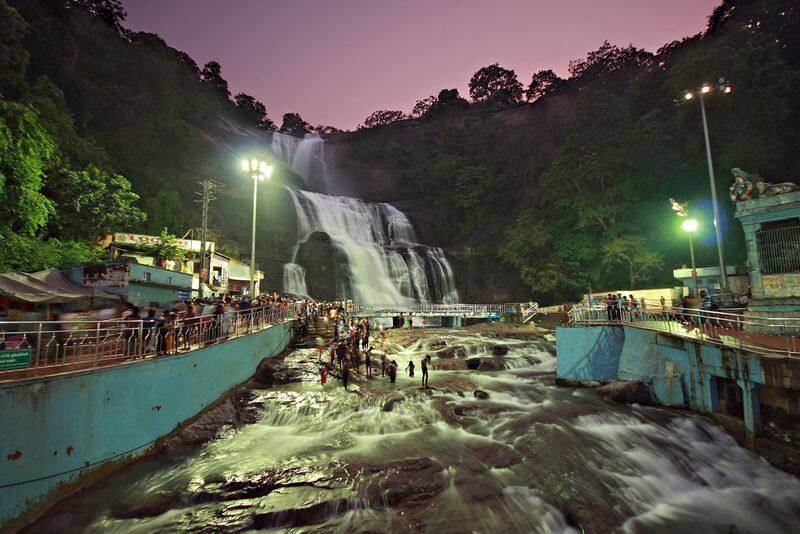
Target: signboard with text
[15,359]
[192,245]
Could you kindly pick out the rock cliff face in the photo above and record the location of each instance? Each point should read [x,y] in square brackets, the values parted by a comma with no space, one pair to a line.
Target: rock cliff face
[356,168]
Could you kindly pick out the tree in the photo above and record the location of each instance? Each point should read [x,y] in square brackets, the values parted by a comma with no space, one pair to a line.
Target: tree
[495,83]
[109,11]
[631,251]
[166,248]
[27,154]
[13,56]
[323,129]
[253,111]
[293,124]
[423,106]
[382,118]
[609,64]
[212,74]
[93,203]
[542,83]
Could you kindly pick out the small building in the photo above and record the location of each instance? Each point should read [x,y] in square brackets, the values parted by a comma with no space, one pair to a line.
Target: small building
[708,279]
[229,275]
[142,285]
[771,227]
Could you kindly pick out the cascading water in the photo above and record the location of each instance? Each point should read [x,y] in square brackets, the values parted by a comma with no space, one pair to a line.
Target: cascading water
[382,257]
[525,456]
[382,262]
[305,156]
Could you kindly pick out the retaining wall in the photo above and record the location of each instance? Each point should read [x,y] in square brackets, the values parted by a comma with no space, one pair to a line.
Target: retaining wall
[54,430]
[681,372]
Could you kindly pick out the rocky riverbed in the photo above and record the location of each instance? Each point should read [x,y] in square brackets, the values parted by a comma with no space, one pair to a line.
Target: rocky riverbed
[491,446]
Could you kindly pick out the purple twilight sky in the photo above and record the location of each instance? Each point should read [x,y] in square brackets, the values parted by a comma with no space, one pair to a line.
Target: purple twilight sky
[336,61]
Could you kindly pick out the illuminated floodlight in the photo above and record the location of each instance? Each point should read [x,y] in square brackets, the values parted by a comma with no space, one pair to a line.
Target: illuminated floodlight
[245,165]
[688,95]
[690,225]
[705,89]
[727,90]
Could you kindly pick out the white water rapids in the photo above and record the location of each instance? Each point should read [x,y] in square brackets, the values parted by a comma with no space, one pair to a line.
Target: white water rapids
[529,458]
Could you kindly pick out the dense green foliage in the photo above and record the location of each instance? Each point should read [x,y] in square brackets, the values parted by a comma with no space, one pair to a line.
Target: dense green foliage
[57,193]
[594,215]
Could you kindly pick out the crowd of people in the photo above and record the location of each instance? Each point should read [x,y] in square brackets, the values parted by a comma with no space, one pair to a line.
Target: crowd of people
[197,321]
[352,346]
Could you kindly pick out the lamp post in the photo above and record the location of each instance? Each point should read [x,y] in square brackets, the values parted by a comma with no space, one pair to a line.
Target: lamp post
[724,87]
[690,227]
[258,170]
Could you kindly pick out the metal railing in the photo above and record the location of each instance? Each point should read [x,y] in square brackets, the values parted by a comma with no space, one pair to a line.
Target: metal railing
[779,249]
[773,336]
[33,348]
[470,310]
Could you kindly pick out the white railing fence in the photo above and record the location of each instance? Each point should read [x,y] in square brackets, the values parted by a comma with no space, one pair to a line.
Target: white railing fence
[766,335]
[58,346]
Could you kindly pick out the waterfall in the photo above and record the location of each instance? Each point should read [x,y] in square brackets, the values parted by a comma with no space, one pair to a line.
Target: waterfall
[306,157]
[378,242]
[294,279]
[378,258]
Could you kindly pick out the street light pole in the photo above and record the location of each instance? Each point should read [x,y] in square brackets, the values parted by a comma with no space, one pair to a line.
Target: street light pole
[717,231]
[258,170]
[690,227]
[694,265]
[253,240]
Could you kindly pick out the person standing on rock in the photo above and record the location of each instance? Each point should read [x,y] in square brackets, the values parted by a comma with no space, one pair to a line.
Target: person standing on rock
[410,368]
[410,321]
[368,362]
[345,373]
[425,361]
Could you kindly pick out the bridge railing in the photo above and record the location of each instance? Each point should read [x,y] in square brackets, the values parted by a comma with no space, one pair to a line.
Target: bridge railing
[765,335]
[31,348]
[470,310]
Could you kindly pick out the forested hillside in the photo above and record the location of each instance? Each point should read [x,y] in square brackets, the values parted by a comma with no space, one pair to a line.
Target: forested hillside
[557,184]
[594,213]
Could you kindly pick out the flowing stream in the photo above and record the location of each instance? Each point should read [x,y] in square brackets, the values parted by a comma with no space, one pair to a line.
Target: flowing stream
[521,456]
[384,263]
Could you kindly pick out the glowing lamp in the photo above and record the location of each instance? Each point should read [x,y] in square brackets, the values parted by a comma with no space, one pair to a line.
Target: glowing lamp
[705,89]
[688,95]
[245,165]
[690,225]
[727,89]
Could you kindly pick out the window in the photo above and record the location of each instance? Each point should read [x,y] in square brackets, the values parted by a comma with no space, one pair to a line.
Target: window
[146,276]
[778,245]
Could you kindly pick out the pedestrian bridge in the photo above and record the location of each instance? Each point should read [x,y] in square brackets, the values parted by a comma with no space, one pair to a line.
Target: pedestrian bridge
[482,311]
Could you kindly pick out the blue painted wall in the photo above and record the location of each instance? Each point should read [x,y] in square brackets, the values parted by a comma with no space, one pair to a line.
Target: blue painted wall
[64,426]
[589,354]
[681,372]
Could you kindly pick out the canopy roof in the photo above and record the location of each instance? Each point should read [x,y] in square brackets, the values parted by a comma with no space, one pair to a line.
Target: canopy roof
[47,287]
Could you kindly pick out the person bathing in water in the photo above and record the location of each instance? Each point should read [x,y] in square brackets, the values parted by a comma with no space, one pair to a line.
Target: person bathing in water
[323,374]
[425,361]
[392,370]
[410,368]
[345,373]
[368,362]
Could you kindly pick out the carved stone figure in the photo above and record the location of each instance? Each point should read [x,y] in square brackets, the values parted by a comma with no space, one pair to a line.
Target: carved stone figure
[747,186]
[679,207]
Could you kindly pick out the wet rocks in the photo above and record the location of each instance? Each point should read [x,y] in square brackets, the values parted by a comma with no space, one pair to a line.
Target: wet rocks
[480,394]
[391,401]
[486,364]
[452,352]
[626,392]
[498,350]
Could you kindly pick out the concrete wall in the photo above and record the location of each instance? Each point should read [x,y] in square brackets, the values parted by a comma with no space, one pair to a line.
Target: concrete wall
[589,354]
[681,372]
[54,430]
